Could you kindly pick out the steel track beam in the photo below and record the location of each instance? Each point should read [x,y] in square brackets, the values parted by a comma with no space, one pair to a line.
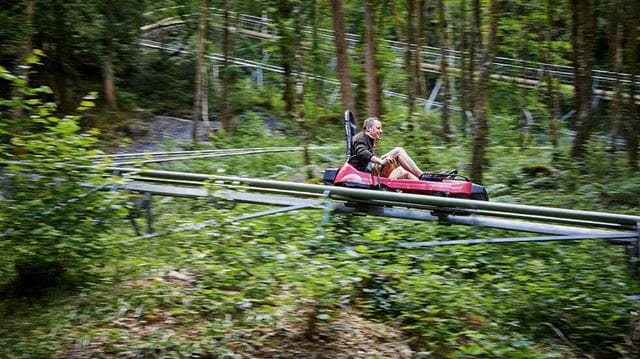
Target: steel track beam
[622,238]
[511,225]
[557,232]
[362,194]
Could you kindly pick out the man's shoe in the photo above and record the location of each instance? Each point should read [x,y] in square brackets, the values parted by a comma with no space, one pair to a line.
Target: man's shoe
[426,176]
[433,177]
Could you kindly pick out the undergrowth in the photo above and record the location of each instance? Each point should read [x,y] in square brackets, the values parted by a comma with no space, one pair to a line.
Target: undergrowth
[519,300]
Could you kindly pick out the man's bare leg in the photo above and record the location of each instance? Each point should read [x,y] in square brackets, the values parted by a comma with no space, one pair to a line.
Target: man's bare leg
[400,155]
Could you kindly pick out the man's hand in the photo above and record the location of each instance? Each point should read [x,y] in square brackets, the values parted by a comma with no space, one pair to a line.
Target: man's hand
[387,160]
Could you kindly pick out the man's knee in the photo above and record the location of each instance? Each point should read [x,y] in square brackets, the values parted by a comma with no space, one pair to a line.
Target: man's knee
[397,151]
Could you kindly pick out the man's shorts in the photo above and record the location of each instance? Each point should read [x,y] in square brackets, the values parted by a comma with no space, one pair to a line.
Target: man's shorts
[386,170]
[369,168]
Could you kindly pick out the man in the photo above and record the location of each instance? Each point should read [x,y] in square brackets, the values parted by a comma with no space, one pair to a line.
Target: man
[396,164]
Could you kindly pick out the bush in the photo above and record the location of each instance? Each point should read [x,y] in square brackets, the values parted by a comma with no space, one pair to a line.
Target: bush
[54,204]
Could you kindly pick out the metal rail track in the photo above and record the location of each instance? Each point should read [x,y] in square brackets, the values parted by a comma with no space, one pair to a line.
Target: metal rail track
[277,69]
[573,225]
[529,72]
[342,194]
[158,157]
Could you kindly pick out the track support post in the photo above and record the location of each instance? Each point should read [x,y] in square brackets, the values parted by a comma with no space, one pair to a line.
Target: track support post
[146,204]
[328,211]
[632,251]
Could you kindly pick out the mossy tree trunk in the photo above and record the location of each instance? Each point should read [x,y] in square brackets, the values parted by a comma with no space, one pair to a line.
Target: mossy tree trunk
[481,126]
[342,56]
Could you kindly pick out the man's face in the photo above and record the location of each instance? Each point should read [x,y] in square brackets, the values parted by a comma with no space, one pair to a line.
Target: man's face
[375,131]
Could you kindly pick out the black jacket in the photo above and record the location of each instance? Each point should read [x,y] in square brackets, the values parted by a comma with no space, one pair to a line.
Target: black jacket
[361,151]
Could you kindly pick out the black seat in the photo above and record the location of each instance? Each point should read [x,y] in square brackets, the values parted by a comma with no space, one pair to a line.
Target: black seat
[350,130]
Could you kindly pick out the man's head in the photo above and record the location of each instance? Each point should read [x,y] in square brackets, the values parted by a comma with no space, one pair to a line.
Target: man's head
[373,127]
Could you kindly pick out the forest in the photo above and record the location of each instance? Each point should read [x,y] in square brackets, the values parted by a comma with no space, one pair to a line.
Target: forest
[534,100]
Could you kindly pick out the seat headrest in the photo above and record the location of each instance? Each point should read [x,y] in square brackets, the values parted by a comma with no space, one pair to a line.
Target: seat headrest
[350,130]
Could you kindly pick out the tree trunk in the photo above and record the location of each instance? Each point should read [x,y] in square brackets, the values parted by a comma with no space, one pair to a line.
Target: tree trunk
[524,128]
[205,97]
[442,35]
[615,52]
[552,91]
[299,99]
[583,29]
[58,62]
[342,59]
[108,77]
[409,60]
[464,71]
[397,23]
[226,118]
[632,122]
[481,127]
[286,40]
[371,68]
[420,84]
[23,53]
[198,100]
[317,64]
[476,43]
[107,61]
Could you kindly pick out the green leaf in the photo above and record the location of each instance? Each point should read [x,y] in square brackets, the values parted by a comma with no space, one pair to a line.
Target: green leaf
[87,104]
[32,59]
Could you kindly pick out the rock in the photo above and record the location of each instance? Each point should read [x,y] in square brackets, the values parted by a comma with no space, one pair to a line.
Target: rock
[406,353]
[181,276]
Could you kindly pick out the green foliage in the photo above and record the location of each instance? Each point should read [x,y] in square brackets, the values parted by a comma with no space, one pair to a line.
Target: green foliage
[55,203]
[253,130]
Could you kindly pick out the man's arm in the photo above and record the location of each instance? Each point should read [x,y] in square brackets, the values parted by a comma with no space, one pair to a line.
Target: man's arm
[361,152]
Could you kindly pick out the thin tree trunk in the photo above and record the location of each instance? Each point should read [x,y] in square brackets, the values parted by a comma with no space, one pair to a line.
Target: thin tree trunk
[108,77]
[442,35]
[371,69]
[58,63]
[481,127]
[615,28]
[584,28]
[400,36]
[63,76]
[476,43]
[299,99]
[226,115]
[342,59]
[632,127]
[524,128]
[107,61]
[420,84]
[198,100]
[464,75]
[317,64]
[409,60]
[552,91]
[23,52]
[205,97]
[286,40]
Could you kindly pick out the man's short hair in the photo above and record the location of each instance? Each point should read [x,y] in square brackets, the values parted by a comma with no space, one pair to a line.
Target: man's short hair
[370,122]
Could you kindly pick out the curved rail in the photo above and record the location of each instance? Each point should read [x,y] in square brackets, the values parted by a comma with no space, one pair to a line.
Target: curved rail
[529,73]
[277,69]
